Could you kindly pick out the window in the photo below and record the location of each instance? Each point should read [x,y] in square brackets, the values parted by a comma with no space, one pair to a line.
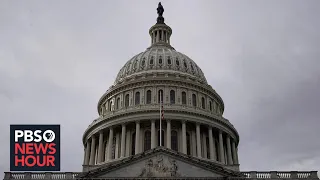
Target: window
[194,100]
[118,103]
[188,144]
[160,60]
[143,62]
[174,140]
[210,105]
[133,144]
[203,103]
[147,140]
[126,100]
[184,98]
[169,60]
[177,62]
[185,64]
[151,60]
[137,98]
[172,97]
[149,97]
[110,105]
[160,95]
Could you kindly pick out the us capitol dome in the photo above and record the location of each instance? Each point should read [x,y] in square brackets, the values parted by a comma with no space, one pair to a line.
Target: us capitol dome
[192,124]
[161,119]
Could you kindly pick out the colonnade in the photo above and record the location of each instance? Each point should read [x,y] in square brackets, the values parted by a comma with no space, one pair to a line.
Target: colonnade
[160,35]
[212,144]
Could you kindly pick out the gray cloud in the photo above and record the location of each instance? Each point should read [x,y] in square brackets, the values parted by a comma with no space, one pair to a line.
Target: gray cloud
[56,60]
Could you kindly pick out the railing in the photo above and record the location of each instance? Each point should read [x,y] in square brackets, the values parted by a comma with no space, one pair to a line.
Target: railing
[248,175]
[281,175]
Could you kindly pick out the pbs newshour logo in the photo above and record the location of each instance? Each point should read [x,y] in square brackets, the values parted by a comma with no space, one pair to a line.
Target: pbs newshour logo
[34,147]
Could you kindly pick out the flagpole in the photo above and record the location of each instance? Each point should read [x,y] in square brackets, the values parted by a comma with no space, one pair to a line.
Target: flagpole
[160,116]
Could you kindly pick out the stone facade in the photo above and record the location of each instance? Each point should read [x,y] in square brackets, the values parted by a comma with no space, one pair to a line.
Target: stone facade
[197,142]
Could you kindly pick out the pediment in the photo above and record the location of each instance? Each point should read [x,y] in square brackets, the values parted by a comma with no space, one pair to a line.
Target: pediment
[159,163]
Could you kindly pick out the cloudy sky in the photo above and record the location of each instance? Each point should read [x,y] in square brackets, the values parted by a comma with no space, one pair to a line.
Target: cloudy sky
[58,57]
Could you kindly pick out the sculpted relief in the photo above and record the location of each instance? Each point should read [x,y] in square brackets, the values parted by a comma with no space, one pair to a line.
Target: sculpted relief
[160,167]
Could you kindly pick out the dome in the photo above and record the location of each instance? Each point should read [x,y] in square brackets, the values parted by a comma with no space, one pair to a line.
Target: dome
[160,59]
[160,98]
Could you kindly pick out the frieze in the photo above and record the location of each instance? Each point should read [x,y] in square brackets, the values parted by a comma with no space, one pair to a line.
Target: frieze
[160,167]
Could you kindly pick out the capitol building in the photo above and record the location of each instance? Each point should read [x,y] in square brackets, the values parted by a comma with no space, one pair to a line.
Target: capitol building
[161,120]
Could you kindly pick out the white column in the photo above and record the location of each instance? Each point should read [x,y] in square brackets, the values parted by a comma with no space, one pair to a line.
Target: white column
[128,143]
[221,150]
[116,153]
[110,143]
[87,153]
[168,134]
[184,138]
[234,153]
[204,140]
[211,144]
[162,36]
[93,150]
[194,143]
[230,162]
[123,140]
[158,35]
[137,149]
[198,140]
[100,147]
[153,134]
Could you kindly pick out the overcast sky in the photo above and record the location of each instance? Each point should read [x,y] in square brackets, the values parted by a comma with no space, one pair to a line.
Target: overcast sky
[57,58]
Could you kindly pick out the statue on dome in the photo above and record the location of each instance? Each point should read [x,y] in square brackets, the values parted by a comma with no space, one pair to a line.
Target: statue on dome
[160,9]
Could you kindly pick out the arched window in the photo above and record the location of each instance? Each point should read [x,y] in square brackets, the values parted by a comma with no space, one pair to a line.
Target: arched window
[203,103]
[126,100]
[188,144]
[151,60]
[110,105]
[210,105]
[169,60]
[174,140]
[133,144]
[118,103]
[149,97]
[147,140]
[160,93]
[162,138]
[194,100]
[160,60]
[137,98]
[172,97]
[184,98]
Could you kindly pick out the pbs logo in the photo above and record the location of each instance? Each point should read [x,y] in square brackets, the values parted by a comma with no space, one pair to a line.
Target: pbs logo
[35,136]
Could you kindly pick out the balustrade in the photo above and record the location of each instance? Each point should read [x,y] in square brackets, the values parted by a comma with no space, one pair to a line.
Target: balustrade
[247,175]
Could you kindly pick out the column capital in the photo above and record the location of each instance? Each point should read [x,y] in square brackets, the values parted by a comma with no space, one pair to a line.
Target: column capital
[168,120]
[183,121]
[124,124]
[153,120]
